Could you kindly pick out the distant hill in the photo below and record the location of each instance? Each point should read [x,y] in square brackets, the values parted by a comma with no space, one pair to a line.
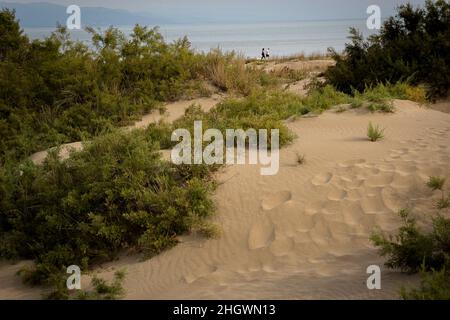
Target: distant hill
[44,14]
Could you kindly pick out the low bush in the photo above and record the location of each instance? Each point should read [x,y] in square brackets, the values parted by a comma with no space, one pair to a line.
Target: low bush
[230,72]
[325,97]
[260,110]
[413,250]
[387,107]
[102,290]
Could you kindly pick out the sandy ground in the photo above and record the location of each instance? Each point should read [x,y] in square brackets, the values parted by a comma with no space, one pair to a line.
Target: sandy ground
[306,65]
[303,233]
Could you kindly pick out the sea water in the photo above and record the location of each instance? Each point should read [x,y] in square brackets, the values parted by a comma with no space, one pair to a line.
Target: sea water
[283,38]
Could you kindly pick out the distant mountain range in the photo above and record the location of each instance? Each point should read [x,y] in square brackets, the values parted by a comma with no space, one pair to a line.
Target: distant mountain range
[42,14]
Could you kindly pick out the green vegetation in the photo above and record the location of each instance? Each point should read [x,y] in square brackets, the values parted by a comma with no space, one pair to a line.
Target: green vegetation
[229,73]
[300,158]
[288,75]
[413,46]
[437,183]
[374,133]
[101,289]
[323,97]
[435,285]
[379,97]
[57,90]
[115,194]
[413,250]
[259,110]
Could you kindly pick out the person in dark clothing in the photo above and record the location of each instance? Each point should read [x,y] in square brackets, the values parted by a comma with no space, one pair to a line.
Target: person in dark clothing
[263,54]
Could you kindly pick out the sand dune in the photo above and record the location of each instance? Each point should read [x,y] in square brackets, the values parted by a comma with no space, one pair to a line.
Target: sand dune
[304,233]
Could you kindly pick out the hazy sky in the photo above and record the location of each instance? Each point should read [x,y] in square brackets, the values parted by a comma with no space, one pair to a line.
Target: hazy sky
[222,10]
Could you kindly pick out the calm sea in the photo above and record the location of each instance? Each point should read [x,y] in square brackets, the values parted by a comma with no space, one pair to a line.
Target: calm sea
[283,38]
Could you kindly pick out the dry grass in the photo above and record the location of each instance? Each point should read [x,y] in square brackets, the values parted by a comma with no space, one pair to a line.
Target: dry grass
[229,72]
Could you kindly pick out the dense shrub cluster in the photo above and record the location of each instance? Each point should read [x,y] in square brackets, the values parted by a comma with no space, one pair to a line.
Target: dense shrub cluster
[414,45]
[118,193]
[56,90]
[115,194]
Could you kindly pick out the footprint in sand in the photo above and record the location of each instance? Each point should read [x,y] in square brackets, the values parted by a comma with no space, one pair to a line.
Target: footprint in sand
[274,200]
[261,235]
[321,179]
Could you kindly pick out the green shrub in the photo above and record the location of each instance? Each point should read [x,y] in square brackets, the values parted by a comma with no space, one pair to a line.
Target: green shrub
[356,103]
[374,133]
[409,248]
[437,183]
[103,290]
[386,107]
[115,194]
[325,97]
[413,250]
[412,46]
[435,285]
[229,72]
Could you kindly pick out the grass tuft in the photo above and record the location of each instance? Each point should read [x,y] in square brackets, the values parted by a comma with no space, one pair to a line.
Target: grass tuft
[300,158]
[374,133]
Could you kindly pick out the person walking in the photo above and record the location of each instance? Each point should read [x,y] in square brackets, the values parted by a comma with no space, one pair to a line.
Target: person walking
[263,54]
[268,53]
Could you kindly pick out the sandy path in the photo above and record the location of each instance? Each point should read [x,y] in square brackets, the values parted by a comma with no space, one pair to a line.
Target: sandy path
[174,111]
[303,233]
